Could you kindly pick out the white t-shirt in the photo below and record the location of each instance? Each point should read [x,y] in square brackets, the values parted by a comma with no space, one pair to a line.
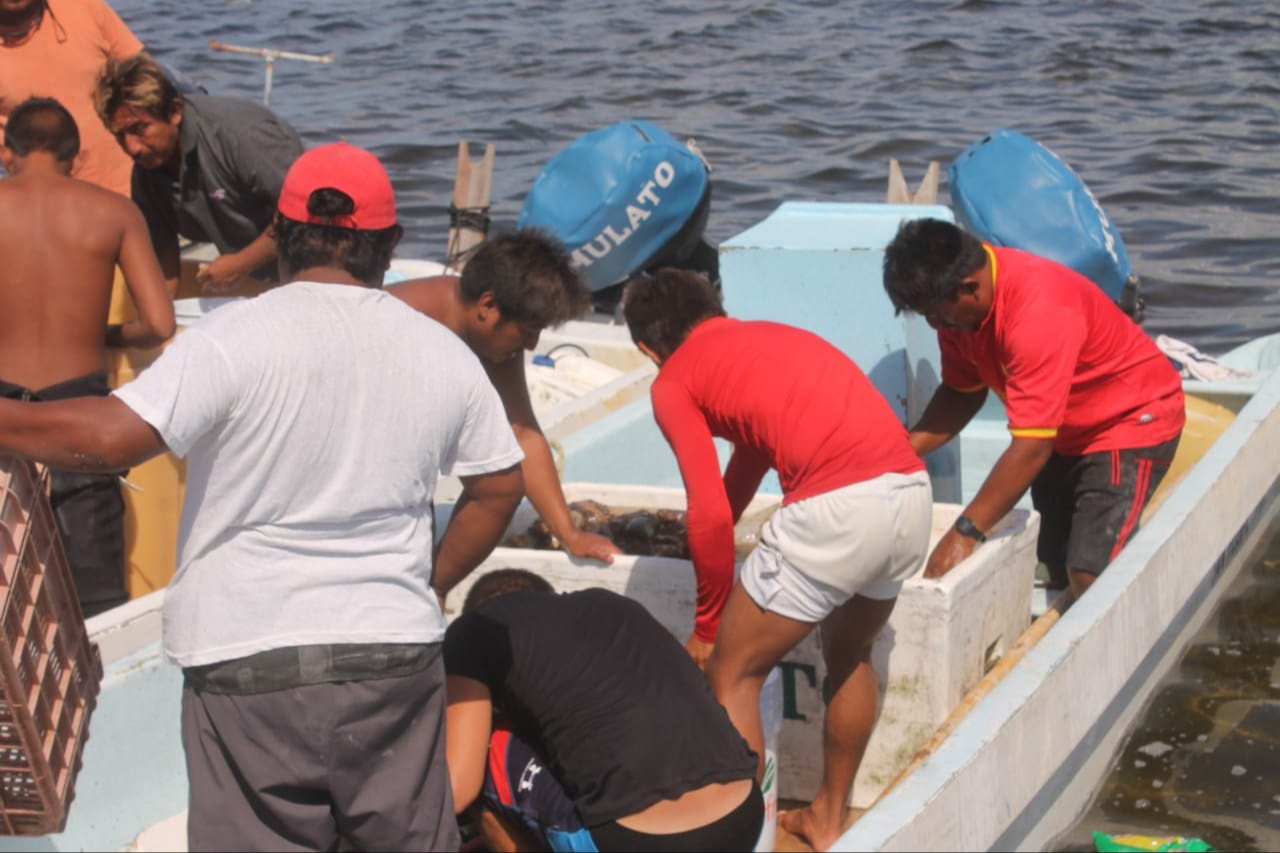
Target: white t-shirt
[315,420]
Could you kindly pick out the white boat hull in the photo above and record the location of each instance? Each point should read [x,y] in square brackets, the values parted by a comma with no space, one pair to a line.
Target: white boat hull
[1025,762]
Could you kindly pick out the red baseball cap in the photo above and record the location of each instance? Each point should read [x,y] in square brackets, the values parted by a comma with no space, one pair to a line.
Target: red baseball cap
[343,167]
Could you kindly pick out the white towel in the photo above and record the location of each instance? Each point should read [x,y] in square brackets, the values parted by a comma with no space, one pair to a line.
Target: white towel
[1195,364]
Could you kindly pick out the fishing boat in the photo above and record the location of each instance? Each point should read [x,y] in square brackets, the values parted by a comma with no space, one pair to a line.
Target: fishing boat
[1042,714]
[1001,709]
[1043,709]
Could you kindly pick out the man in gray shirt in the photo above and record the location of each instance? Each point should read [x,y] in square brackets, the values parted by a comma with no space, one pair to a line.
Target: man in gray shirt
[205,168]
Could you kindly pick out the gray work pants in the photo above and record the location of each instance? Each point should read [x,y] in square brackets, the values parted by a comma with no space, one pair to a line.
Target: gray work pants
[295,767]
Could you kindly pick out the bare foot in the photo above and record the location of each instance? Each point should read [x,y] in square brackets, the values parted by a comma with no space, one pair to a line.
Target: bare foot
[813,828]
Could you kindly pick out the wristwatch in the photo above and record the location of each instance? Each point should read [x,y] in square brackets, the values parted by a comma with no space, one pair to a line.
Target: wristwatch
[966,527]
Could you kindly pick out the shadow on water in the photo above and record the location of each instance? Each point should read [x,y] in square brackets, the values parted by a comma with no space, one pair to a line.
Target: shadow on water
[1204,759]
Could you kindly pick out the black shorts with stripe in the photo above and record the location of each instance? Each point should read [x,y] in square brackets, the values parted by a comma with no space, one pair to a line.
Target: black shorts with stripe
[1090,506]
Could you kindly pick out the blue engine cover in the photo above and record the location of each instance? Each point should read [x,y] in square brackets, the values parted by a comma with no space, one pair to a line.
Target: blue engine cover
[1010,190]
[616,196]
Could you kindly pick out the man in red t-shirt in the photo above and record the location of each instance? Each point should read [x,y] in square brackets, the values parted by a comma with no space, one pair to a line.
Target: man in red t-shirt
[1095,409]
[854,522]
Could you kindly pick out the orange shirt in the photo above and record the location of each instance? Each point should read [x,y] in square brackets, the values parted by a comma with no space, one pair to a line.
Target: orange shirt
[1068,364]
[62,60]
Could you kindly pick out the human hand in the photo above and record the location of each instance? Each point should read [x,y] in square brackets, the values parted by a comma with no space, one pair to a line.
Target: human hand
[699,650]
[592,546]
[951,549]
[219,275]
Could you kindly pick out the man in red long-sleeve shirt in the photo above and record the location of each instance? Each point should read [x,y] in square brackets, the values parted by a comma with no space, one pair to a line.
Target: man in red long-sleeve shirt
[854,521]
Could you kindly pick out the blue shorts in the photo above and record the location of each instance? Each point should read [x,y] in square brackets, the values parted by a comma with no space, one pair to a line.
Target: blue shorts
[518,784]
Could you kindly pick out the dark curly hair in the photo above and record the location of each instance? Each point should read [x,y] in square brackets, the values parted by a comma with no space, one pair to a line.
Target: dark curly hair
[366,255]
[662,307]
[500,582]
[42,124]
[927,261]
[530,275]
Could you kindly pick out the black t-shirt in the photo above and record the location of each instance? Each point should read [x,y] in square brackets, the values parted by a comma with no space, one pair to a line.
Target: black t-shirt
[611,699]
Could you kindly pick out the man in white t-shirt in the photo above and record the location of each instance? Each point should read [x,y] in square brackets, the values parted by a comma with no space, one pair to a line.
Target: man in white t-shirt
[315,420]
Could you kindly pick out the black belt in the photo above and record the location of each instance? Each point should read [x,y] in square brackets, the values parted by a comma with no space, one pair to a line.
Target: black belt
[295,666]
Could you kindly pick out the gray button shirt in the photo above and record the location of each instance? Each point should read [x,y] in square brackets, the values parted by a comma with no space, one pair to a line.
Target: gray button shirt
[234,158]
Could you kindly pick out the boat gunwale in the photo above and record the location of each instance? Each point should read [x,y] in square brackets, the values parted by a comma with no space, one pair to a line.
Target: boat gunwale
[992,718]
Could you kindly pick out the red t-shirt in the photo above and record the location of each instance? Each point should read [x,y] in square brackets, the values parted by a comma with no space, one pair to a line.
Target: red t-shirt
[787,400]
[1068,364]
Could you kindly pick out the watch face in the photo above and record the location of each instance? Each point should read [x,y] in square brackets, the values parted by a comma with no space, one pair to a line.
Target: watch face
[966,526]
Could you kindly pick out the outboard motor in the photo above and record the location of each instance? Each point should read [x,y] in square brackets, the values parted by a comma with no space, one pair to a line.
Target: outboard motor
[626,198]
[1010,190]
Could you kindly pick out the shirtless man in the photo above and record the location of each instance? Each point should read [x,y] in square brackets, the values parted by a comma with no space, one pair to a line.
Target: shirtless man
[61,241]
[516,285]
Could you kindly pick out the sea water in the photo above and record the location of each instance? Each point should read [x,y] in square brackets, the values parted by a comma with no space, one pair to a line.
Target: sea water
[1167,110]
[1204,759]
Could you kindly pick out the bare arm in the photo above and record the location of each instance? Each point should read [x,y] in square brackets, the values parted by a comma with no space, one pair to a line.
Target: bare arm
[222,273]
[468,723]
[1012,475]
[480,517]
[170,264]
[147,286]
[947,413]
[540,478]
[94,434]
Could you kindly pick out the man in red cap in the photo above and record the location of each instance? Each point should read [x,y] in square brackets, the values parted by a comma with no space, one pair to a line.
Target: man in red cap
[305,614]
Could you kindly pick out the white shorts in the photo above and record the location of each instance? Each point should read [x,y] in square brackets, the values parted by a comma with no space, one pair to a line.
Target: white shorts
[864,539]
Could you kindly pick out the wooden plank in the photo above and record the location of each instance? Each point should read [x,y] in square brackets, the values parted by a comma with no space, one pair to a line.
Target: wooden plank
[927,192]
[785,842]
[900,193]
[469,214]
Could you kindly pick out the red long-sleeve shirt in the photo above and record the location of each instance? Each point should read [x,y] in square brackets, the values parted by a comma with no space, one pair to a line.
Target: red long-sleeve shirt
[787,400]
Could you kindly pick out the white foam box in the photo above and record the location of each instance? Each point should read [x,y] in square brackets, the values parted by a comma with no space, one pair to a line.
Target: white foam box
[943,635]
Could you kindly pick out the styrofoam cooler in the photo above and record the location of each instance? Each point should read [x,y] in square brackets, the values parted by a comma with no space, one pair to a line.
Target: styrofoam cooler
[943,635]
[771,721]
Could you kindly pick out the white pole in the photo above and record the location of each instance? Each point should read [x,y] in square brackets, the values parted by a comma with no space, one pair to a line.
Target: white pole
[269,56]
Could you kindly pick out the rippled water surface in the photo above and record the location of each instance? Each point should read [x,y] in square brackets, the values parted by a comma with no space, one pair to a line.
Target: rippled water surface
[1204,759]
[1170,111]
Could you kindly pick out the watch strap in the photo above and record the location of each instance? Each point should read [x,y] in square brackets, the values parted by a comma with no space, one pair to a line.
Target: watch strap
[966,527]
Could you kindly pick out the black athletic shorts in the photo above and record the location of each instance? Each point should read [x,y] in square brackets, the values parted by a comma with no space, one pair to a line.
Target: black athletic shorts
[1091,505]
[518,784]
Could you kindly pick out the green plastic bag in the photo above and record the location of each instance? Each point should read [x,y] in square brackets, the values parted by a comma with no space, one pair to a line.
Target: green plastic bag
[1147,844]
